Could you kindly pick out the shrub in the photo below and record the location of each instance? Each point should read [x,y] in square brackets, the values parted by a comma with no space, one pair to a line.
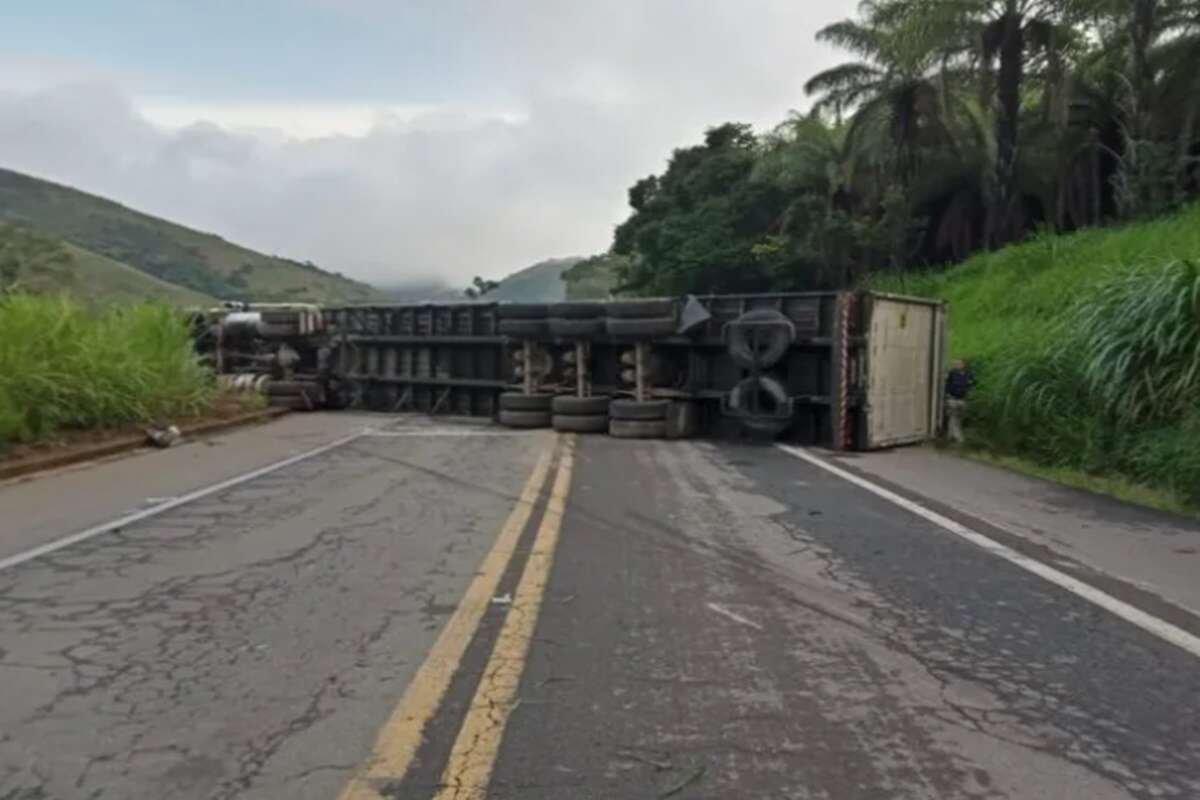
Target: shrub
[63,366]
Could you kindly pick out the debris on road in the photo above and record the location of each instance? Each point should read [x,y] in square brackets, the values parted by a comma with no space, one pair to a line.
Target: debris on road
[163,437]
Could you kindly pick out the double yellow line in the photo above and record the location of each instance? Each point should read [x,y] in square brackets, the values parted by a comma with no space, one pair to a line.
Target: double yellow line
[474,753]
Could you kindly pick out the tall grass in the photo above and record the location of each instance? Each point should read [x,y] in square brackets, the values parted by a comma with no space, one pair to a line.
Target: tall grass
[64,366]
[1087,349]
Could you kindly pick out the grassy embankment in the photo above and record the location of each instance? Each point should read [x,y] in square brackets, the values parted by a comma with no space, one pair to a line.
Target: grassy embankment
[64,366]
[1087,352]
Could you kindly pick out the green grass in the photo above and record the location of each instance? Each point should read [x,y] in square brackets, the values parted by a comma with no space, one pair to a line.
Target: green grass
[65,366]
[1087,350]
[1110,485]
[169,252]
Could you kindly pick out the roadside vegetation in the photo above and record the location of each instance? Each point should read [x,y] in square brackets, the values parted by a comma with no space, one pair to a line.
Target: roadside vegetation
[953,127]
[1086,348]
[65,366]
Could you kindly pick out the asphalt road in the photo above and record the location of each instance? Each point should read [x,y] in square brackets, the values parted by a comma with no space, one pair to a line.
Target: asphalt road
[444,612]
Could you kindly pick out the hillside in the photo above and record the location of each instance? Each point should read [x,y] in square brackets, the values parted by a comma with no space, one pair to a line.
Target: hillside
[1086,348]
[40,263]
[198,261]
[540,283]
[543,282]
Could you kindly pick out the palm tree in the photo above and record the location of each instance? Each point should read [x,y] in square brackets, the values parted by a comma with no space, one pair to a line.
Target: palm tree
[1001,40]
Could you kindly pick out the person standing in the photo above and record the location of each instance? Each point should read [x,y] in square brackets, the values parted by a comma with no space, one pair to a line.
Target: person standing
[959,383]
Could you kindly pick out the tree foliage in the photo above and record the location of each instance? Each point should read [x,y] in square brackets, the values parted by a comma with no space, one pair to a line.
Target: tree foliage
[955,126]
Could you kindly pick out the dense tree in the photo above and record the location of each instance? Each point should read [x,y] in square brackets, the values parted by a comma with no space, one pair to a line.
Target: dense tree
[959,124]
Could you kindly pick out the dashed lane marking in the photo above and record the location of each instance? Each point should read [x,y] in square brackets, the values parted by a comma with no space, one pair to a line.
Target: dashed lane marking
[1147,622]
[473,757]
[401,735]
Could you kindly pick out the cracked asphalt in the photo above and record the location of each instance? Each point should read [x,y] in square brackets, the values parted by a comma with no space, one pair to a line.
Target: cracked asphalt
[720,621]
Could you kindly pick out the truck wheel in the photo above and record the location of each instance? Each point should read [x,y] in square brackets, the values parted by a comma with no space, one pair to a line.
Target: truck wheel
[759,338]
[523,328]
[562,328]
[576,311]
[574,423]
[634,429]
[514,401]
[652,410]
[640,309]
[522,311]
[525,419]
[581,406]
[642,328]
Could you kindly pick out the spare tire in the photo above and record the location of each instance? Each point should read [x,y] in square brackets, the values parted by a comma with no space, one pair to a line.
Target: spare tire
[637,429]
[522,311]
[747,395]
[641,328]
[759,338]
[569,405]
[525,419]
[633,410]
[575,423]
[576,310]
[640,309]
[523,328]
[562,328]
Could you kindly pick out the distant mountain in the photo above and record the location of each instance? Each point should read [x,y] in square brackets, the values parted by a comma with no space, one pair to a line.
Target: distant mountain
[39,263]
[202,262]
[541,283]
[422,291]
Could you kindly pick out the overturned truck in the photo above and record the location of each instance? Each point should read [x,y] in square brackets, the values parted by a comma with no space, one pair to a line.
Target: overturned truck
[848,370]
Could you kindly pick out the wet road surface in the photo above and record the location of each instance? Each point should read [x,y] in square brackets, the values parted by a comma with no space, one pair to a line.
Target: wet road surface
[667,619]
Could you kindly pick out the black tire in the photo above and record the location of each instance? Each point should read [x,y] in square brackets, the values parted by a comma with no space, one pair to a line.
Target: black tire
[740,395]
[576,328]
[523,328]
[637,429]
[574,423]
[640,309]
[576,310]
[642,328]
[525,419]
[766,425]
[514,401]
[569,405]
[632,410]
[764,341]
[522,311]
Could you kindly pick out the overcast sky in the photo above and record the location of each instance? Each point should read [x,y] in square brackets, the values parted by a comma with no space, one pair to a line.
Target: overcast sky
[386,139]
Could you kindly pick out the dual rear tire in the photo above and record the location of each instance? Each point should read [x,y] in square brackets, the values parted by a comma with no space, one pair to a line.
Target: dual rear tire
[580,414]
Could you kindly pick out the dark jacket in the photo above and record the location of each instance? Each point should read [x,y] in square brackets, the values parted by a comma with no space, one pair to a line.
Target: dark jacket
[959,383]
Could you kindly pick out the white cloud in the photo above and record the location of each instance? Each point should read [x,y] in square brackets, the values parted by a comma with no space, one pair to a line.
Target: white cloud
[580,101]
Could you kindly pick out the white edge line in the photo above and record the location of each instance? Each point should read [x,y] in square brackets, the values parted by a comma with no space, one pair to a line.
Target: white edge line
[725,612]
[435,432]
[1151,624]
[175,502]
